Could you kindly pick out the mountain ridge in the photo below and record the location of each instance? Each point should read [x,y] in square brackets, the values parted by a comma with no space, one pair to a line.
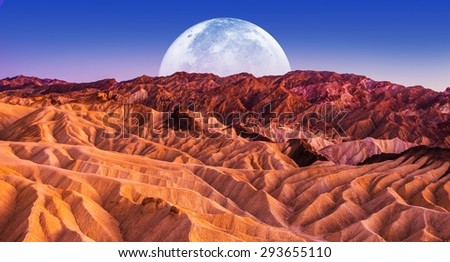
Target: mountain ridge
[383,110]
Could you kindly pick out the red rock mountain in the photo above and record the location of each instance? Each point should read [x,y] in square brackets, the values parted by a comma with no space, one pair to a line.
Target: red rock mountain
[358,106]
[314,156]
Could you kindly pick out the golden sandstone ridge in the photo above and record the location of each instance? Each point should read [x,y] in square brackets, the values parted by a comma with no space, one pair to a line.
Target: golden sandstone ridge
[357,160]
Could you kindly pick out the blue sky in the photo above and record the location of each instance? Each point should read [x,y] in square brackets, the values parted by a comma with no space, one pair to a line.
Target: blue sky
[407,42]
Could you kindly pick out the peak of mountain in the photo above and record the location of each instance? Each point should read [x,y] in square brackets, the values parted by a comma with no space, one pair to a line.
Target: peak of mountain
[22,81]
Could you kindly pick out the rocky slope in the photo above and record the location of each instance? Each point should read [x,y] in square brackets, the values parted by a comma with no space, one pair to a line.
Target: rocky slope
[159,169]
[337,106]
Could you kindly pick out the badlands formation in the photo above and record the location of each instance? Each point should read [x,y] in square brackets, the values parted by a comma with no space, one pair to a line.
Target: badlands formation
[308,156]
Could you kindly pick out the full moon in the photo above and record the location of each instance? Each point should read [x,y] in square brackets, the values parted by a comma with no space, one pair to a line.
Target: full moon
[225,46]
